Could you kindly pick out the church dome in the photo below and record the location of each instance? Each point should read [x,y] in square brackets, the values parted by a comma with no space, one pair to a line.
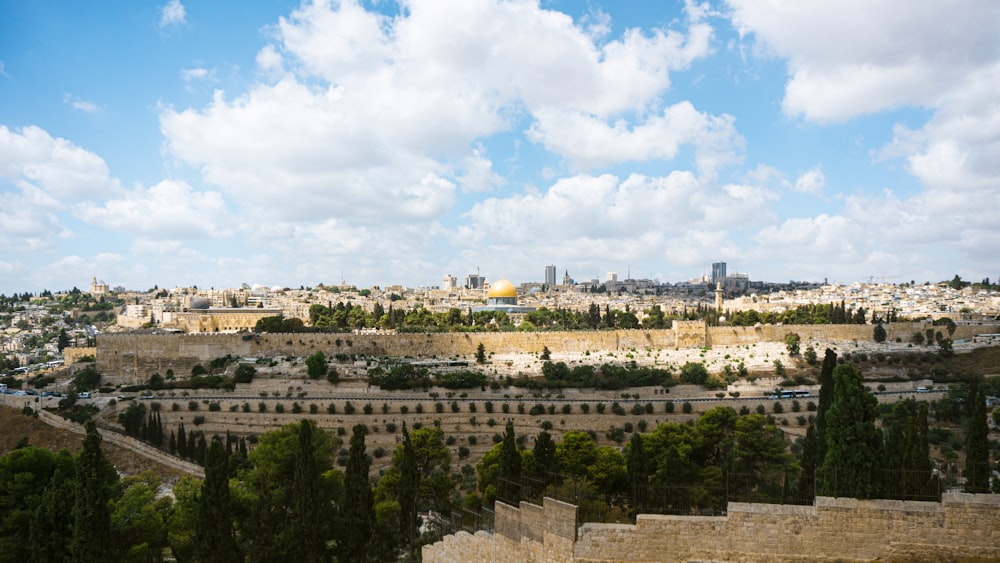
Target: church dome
[502,288]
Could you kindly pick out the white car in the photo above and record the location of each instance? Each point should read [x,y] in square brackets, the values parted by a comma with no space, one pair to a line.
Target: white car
[84,395]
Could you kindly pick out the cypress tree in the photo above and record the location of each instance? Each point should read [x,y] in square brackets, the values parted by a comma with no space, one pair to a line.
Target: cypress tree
[545,458]
[307,541]
[853,443]
[509,485]
[825,398]
[173,443]
[807,464]
[358,508]
[202,449]
[919,482]
[409,482]
[214,537]
[95,480]
[182,446]
[638,472]
[977,449]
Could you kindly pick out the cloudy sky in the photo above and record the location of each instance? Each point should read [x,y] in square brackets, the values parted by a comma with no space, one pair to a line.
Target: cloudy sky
[215,143]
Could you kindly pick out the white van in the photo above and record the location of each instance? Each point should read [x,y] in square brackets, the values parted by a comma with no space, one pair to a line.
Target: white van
[83,395]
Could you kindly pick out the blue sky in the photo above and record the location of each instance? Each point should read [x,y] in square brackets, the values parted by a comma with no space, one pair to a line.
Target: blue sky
[216,143]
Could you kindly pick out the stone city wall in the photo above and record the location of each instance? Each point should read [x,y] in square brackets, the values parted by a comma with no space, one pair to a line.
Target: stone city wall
[73,355]
[961,527]
[132,358]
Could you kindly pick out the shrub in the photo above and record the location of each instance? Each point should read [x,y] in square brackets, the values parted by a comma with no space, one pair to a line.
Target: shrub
[198,420]
[687,408]
[669,407]
[331,408]
[463,452]
[368,409]
[472,440]
[214,406]
[279,408]
[313,408]
[585,408]
[778,409]
[600,408]
[296,407]
[262,407]
[348,408]
[192,405]
[567,408]
[403,409]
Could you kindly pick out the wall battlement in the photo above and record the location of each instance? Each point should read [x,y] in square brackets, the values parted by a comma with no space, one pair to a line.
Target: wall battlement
[961,526]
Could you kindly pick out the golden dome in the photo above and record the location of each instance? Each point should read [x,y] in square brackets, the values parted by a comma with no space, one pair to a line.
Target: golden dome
[502,288]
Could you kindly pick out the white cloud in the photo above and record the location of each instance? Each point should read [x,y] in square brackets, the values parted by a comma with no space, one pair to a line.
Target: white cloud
[197,73]
[170,209]
[80,105]
[173,14]
[811,182]
[31,158]
[590,142]
[861,56]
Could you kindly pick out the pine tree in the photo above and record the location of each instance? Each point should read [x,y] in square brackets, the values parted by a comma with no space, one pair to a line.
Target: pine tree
[358,507]
[95,479]
[977,449]
[52,521]
[853,443]
[214,537]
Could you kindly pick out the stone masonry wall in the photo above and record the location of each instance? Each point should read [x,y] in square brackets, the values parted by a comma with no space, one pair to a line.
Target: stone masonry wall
[528,534]
[962,526]
[130,358]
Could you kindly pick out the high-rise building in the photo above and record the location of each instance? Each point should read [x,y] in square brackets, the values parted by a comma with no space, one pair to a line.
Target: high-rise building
[449,282]
[475,281]
[718,271]
[550,275]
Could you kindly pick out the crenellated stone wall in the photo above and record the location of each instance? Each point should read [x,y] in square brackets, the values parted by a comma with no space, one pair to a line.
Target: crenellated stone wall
[131,358]
[961,527]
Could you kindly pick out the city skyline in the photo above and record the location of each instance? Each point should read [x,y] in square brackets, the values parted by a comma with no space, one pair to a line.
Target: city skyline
[183,144]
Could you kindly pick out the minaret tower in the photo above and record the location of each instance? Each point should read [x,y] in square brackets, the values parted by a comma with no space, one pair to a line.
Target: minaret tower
[718,297]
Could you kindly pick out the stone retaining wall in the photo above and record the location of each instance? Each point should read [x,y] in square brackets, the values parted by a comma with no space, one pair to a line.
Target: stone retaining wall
[962,526]
[130,358]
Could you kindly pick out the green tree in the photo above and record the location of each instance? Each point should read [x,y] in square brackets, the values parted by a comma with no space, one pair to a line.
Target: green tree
[138,519]
[287,498]
[977,449]
[96,482]
[316,365]
[358,512]
[878,333]
[807,467]
[214,534]
[825,399]
[792,343]
[853,443]
[638,472]
[307,540]
[481,354]
[51,523]
[63,340]
[509,479]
